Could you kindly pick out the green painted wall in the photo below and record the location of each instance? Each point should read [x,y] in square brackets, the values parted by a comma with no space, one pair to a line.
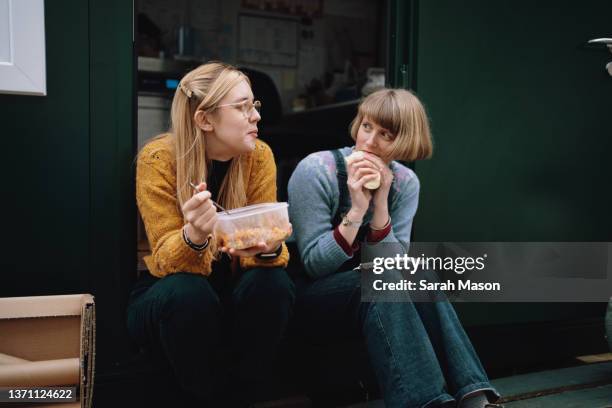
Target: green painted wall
[68,174]
[520,116]
[45,166]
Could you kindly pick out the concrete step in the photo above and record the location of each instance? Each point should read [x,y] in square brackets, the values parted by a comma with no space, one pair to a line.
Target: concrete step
[585,386]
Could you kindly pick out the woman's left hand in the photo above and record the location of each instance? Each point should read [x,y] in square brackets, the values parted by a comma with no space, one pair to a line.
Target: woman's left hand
[381,194]
[260,248]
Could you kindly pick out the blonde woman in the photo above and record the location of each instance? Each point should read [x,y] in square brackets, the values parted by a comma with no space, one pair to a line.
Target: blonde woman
[340,200]
[194,300]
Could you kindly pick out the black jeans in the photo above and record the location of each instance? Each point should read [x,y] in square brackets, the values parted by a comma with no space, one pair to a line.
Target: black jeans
[190,320]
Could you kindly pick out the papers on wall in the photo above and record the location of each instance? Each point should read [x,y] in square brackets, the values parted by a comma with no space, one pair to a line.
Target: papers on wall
[268,41]
[312,64]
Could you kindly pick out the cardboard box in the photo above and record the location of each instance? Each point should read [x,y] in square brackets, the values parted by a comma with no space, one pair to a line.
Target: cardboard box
[48,341]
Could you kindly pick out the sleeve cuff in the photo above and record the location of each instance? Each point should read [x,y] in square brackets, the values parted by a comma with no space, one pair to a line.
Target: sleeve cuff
[348,249]
[378,235]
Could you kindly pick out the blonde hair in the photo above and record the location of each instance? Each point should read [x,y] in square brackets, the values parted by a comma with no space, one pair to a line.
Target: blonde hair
[202,89]
[403,114]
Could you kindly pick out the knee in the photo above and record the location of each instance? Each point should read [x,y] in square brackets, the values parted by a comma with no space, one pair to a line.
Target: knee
[187,292]
[271,285]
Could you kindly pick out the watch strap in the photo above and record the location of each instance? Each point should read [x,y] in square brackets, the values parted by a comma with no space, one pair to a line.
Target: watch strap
[271,255]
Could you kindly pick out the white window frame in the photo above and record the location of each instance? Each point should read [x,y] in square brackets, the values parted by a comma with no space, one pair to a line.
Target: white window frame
[25,73]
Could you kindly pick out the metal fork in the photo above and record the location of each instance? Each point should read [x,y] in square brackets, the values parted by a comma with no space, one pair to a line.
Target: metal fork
[211,200]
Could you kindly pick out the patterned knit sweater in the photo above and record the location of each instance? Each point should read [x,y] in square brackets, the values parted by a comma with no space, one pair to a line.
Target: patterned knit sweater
[314,199]
[157,200]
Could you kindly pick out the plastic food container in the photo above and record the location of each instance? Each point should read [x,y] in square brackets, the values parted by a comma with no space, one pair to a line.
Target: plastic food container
[245,227]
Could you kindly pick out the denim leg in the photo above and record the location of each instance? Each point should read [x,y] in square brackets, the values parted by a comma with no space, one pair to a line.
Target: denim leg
[398,346]
[463,371]
[262,300]
[179,316]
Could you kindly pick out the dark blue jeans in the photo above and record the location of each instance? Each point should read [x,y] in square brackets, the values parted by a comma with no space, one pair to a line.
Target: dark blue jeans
[187,317]
[419,351]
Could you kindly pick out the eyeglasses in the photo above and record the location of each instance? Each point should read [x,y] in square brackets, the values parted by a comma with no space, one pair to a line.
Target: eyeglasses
[245,106]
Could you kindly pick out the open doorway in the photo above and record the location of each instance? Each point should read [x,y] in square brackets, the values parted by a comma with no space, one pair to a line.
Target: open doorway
[309,62]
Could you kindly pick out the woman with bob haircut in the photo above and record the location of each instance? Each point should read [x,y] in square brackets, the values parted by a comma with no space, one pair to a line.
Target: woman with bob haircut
[342,201]
[193,297]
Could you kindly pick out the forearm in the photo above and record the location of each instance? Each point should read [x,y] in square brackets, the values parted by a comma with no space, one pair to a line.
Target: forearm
[171,254]
[380,216]
[349,232]
[392,223]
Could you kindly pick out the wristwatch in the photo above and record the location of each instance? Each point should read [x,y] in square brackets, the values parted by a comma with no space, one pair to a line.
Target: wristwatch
[348,223]
[271,255]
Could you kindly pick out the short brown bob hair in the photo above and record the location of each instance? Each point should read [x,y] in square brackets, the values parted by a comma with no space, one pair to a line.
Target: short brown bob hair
[403,114]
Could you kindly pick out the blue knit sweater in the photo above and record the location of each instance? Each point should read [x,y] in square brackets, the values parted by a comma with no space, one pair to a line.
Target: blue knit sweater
[314,200]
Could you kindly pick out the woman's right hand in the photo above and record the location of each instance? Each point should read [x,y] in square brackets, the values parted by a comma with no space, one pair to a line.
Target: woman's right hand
[200,214]
[359,173]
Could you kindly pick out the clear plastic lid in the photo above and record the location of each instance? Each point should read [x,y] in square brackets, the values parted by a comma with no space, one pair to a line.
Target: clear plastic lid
[251,210]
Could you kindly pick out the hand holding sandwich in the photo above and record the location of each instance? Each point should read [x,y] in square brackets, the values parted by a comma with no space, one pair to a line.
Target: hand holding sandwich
[369,178]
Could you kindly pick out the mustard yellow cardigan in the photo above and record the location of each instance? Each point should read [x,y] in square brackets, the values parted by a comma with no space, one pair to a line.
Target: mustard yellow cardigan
[163,220]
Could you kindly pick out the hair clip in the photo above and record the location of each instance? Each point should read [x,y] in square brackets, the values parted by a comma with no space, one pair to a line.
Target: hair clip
[185,90]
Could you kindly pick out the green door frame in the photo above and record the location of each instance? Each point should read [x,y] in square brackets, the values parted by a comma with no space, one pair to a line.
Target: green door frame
[112,148]
[402,29]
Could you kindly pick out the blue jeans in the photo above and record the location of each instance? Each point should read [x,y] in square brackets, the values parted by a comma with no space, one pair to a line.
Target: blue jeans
[186,318]
[420,353]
